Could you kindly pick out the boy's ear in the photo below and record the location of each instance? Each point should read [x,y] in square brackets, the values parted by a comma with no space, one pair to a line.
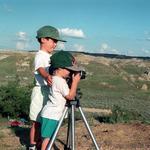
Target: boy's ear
[43,40]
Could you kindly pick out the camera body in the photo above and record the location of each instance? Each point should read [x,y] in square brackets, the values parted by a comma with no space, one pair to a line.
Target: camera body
[82,74]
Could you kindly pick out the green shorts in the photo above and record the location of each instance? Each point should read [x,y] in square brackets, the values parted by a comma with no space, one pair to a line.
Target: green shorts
[48,127]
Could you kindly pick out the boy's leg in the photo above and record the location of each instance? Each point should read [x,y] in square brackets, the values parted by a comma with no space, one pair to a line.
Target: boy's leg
[35,133]
[45,143]
[35,108]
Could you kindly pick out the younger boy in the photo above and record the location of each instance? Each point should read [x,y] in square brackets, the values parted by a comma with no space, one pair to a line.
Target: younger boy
[62,62]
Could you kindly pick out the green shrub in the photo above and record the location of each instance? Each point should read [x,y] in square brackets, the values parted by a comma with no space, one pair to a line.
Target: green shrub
[120,115]
[14,100]
[124,116]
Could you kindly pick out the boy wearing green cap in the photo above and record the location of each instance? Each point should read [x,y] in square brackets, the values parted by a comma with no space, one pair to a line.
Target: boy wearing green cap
[47,36]
[62,63]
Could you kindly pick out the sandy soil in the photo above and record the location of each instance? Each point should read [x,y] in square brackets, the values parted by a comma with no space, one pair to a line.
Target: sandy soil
[134,136]
[112,137]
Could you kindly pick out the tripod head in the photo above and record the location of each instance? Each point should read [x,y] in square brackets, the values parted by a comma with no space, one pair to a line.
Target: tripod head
[78,94]
[76,100]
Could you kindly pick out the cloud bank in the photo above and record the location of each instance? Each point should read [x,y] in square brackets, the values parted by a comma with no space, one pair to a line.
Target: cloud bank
[22,40]
[105,48]
[74,33]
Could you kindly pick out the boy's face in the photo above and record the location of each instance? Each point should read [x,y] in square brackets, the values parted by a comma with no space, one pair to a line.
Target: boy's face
[65,73]
[49,44]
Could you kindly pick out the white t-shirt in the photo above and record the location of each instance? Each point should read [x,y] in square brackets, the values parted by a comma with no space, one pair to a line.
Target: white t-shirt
[56,103]
[42,59]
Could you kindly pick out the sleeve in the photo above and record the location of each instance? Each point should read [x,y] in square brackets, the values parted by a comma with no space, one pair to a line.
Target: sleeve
[63,87]
[38,62]
[65,90]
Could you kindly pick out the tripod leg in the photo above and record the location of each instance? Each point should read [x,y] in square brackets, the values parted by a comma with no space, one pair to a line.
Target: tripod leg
[73,127]
[68,131]
[88,128]
[57,129]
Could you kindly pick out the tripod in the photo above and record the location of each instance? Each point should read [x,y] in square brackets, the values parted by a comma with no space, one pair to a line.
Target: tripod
[70,108]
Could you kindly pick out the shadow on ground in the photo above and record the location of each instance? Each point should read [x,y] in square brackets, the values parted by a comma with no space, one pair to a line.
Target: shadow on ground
[23,134]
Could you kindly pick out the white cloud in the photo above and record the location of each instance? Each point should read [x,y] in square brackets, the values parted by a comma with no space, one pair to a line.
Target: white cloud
[75,33]
[105,48]
[22,40]
[130,53]
[145,51]
[22,36]
[78,48]
[21,45]
[61,45]
[115,51]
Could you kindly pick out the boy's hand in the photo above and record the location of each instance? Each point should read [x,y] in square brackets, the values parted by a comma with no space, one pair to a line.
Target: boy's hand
[74,84]
[45,75]
[49,80]
[76,77]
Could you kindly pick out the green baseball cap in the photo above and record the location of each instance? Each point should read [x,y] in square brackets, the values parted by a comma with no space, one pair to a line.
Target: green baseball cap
[49,31]
[64,59]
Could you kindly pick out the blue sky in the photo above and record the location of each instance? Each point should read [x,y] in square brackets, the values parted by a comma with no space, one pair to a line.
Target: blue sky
[95,26]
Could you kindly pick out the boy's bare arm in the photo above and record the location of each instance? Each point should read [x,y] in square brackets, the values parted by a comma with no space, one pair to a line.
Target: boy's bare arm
[74,85]
[45,75]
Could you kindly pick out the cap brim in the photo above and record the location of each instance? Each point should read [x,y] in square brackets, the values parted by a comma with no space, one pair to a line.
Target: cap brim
[58,39]
[53,38]
[62,40]
[75,68]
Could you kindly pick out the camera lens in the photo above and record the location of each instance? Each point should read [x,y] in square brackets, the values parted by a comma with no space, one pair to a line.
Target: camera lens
[82,74]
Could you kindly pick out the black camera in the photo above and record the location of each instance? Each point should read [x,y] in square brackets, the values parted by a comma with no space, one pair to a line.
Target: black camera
[82,74]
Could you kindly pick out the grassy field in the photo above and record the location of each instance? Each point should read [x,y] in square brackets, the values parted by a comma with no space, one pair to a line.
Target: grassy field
[109,82]
[117,83]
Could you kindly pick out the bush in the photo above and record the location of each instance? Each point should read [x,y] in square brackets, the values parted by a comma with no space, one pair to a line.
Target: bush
[120,115]
[124,116]
[15,100]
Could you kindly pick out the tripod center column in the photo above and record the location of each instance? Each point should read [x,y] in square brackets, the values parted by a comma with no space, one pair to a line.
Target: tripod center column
[73,126]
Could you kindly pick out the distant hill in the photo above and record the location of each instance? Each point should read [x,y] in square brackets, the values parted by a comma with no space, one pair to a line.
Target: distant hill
[119,56]
[113,55]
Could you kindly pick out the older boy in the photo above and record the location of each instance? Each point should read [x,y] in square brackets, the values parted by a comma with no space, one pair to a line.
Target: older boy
[47,36]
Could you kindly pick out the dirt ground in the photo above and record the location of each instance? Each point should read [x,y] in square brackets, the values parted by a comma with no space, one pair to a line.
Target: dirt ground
[135,136]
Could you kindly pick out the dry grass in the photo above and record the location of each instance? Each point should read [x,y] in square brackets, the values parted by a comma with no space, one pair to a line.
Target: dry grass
[134,136]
